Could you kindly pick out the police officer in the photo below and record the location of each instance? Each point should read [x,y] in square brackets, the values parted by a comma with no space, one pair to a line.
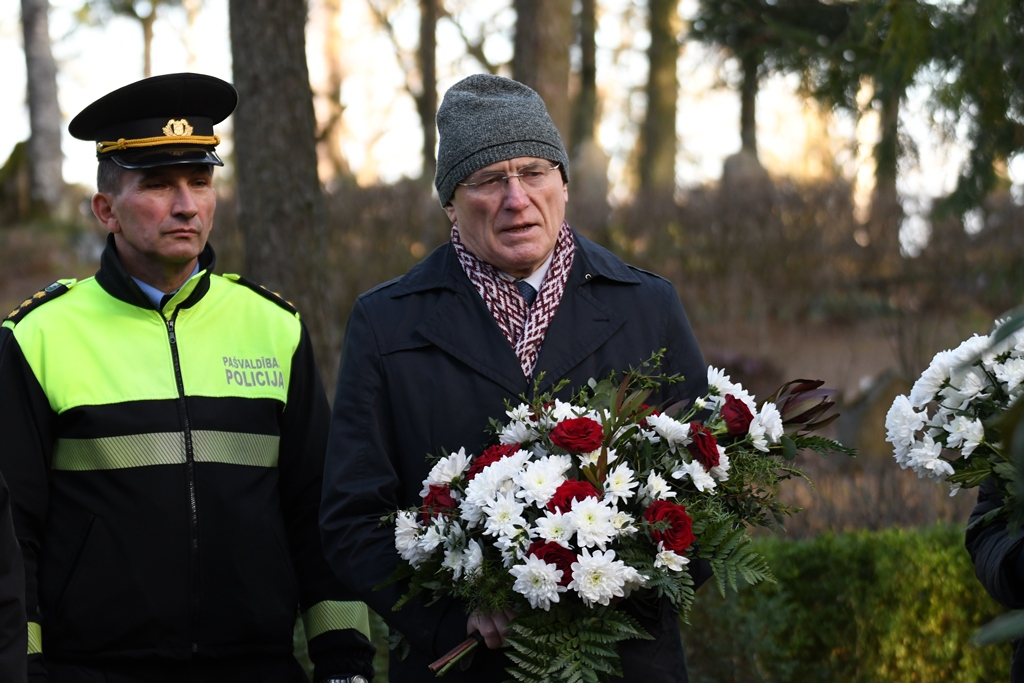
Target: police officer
[164,434]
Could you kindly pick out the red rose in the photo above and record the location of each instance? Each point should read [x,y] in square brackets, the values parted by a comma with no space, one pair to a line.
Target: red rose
[578,434]
[678,536]
[703,446]
[438,501]
[491,455]
[568,492]
[552,553]
[737,416]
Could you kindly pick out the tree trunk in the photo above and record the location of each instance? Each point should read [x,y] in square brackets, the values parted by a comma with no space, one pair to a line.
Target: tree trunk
[584,107]
[657,162]
[541,59]
[192,11]
[281,209]
[426,102]
[748,104]
[332,162]
[147,41]
[45,158]
[886,211]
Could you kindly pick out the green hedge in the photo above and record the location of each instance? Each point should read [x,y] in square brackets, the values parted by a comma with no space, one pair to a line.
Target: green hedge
[859,607]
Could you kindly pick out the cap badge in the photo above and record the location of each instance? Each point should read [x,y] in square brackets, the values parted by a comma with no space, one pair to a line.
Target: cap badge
[177,128]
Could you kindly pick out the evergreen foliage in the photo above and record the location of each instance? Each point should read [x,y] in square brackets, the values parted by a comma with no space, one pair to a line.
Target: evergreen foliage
[894,606]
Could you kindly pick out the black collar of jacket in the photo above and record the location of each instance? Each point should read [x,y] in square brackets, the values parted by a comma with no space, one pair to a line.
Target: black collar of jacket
[116,281]
[441,268]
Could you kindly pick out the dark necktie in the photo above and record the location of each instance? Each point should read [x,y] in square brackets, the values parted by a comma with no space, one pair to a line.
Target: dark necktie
[527,290]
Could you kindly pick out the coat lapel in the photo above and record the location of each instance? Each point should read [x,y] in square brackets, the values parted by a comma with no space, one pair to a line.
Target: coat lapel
[464,328]
[580,327]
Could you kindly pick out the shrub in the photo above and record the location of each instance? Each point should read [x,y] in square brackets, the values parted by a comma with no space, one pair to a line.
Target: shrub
[892,606]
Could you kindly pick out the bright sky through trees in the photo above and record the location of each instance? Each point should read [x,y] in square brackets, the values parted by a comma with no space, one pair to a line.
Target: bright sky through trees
[382,129]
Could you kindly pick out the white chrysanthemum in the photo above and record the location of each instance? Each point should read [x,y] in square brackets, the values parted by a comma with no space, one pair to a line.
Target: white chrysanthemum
[599,577]
[632,580]
[656,488]
[561,411]
[593,521]
[538,482]
[1007,345]
[521,413]
[453,561]
[965,385]
[590,459]
[472,558]
[902,423]
[718,382]
[766,427]
[674,432]
[965,434]
[407,538]
[538,450]
[555,527]
[721,470]
[701,478]
[623,523]
[518,431]
[670,559]
[720,386]
[493,480]
[699,403]
[925,458]
[435,535]
[931,380]
[513,548]
[619,484]
[504,516]
[444,470]
[970,352]
[537,581]
[1011,374]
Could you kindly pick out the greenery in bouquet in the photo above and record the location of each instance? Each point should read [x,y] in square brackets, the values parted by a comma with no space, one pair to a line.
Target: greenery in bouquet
[580,504]
[952,426]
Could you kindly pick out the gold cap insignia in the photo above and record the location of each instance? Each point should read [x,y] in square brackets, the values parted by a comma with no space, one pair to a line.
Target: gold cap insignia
[177,128]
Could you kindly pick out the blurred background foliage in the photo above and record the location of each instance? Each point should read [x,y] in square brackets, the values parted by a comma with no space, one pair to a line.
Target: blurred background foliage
[858,607]
[784,274]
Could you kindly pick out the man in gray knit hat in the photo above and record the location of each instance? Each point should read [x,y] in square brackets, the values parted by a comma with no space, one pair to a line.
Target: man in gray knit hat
[515,302]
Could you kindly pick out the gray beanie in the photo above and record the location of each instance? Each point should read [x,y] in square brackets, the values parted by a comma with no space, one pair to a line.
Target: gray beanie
[485,119]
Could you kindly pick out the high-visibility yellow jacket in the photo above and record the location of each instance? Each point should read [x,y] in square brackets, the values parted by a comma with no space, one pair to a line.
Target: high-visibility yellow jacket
[165,468]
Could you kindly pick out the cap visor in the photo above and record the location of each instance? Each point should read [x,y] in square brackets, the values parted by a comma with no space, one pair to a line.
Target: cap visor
[151,158]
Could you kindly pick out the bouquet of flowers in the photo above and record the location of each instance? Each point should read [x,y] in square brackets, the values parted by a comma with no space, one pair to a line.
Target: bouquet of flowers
[949,428]
[582,503]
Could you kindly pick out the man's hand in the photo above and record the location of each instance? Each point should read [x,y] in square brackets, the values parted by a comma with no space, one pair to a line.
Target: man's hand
[493,627]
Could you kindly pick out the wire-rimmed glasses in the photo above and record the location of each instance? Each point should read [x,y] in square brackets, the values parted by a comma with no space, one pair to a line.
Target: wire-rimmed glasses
[532,177]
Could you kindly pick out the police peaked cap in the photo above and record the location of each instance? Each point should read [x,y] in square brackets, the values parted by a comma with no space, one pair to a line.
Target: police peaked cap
[158,121]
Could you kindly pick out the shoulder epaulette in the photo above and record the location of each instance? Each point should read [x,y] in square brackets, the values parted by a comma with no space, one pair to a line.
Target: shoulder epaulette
[48,293]
[264,292]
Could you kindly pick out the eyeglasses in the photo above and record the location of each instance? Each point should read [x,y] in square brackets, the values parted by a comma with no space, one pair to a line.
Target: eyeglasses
[532,177]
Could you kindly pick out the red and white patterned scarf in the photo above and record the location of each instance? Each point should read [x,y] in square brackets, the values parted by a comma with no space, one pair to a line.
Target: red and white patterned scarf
[524,326]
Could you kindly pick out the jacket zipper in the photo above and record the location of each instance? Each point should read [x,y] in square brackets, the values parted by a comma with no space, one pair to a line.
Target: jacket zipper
[190,468]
